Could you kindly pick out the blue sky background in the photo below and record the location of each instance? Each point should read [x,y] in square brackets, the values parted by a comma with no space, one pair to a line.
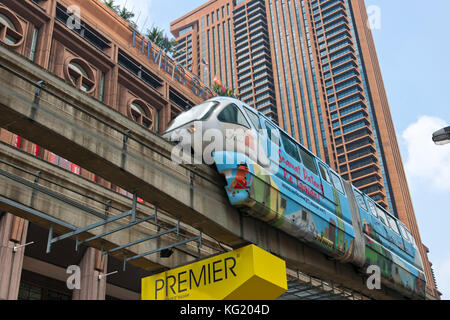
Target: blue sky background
[413,45]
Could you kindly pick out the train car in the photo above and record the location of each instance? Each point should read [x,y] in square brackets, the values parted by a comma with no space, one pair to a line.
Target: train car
[272,177]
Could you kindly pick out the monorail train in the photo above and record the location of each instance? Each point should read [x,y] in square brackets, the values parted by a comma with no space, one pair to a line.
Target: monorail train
[285,185]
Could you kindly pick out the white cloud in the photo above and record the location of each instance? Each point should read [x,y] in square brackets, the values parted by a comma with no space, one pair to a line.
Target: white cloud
[426,162]
[442,271]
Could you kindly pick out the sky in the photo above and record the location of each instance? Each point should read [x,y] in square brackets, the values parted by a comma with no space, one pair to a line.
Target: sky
[159,12]
[413,46]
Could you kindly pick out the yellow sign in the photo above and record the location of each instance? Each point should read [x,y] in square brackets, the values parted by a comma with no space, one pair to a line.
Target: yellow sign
[248,273]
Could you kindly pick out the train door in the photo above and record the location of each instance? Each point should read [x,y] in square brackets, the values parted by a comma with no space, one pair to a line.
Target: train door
[341,199]
[390,238]
[366,219]
[395,236]
[272,144]
[310,172]
[380,231]
[327,186]
[412,248]
[409,247]
[259,138]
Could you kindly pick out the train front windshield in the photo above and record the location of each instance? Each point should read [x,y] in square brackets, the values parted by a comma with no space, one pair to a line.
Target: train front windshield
[199,112]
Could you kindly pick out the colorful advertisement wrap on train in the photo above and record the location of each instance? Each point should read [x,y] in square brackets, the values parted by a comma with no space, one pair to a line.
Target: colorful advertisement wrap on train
[392,267]
[289,200]
[271,177]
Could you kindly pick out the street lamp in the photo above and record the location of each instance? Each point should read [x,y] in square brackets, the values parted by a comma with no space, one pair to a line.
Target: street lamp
[442,136]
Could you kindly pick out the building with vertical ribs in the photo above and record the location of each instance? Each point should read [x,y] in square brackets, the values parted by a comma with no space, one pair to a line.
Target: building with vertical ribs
[311,65]
[221,34]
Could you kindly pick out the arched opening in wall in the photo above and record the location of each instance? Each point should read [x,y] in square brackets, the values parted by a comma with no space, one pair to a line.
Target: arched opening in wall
[80,74]
[141,113]
[11,30]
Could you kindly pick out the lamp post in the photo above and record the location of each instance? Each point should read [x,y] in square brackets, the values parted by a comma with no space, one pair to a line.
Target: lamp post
[442,136]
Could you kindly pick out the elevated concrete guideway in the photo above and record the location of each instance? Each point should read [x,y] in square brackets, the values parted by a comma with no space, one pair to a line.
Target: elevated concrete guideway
[77,127]
[34,184]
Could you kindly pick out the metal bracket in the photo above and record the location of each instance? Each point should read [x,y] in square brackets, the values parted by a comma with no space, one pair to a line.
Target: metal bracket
[197,238]
[22,246]
[79,231]
[50,236]
[176,229]
[156,215]
[37,98]
[78,243]
[101,276]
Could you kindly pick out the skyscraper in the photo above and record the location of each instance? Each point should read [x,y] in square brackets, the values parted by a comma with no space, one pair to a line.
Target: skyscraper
[221,34]
[312,66]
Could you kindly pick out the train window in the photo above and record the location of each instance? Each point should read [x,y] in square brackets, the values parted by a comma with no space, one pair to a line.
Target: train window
[308,160]
[337,182]
[232,114]
[373,209]
[254,119]
[382,217]
[393,224]
[196,113]
[360,200]
[290,147]
[324,173]
[210,109]
[272,133]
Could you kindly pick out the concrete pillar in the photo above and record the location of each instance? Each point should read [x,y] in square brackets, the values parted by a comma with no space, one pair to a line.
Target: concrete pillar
[13,232]
[91,287]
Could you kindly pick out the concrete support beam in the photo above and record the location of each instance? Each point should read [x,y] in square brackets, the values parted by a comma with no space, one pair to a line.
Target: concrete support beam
[84,138]
[13,232]
[92,286]
[91,195]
